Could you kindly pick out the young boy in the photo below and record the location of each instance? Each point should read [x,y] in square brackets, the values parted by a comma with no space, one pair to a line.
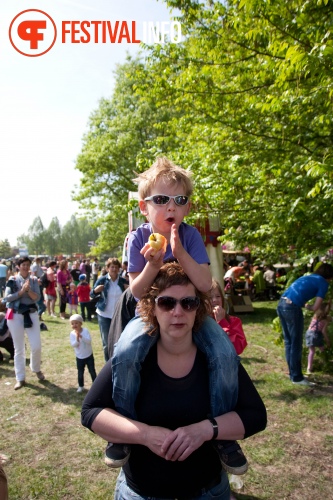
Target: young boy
[83,291]
[164,191]
[80,339]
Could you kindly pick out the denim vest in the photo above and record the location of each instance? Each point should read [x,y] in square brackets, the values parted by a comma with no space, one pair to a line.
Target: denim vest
[105,280]
[134,344]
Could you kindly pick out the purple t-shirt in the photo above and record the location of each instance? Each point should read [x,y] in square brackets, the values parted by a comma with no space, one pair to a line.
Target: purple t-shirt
[189,236]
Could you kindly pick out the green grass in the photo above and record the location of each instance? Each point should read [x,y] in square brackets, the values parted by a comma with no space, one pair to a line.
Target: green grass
[51,456]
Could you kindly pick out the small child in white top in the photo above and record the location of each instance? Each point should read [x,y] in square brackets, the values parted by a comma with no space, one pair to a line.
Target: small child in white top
[80,339]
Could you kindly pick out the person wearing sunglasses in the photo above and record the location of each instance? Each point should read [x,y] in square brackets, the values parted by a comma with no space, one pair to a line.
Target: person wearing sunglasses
[172,438]
[165,213]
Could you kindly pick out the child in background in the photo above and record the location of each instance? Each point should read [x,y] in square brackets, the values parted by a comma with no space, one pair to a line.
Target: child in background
[83,291]
[164,191]
[317,332]
[80,339]
[72,299]
[231,324]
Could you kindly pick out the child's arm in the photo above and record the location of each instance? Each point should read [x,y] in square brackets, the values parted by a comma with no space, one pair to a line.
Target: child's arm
[140,282]
[86,336]
[199,274]
[325,334]
[73,340]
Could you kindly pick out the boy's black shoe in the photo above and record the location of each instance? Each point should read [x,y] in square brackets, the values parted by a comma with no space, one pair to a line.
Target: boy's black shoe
[232,457]
[117,454]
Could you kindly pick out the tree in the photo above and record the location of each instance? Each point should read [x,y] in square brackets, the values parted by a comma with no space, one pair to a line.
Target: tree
[53,237]
[125,134]
[253,82]
[35,239]
[5,248]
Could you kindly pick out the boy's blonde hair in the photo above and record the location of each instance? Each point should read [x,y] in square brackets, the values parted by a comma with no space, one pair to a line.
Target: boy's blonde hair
[165,169]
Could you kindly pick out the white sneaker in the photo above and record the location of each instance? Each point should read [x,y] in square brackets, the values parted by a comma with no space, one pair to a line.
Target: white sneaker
[53,315]
[304,382]
[79,389]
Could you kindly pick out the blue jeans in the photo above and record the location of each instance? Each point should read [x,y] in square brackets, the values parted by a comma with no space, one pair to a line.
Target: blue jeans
[104,327]
[292,321]
[220,492]
[134,344]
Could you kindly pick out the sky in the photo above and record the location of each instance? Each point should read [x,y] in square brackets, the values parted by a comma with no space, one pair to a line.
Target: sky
[46,101]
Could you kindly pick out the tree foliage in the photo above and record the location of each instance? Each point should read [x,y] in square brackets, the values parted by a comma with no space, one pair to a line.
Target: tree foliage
[246,102]
[72,238]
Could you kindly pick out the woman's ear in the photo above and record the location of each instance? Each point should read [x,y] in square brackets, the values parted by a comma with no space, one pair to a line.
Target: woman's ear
[143,208]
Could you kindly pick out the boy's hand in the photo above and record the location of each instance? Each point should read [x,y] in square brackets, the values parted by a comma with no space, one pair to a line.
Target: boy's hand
[152,256]
[175,243]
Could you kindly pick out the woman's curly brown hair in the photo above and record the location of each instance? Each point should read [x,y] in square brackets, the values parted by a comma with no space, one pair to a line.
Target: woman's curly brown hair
[169,275]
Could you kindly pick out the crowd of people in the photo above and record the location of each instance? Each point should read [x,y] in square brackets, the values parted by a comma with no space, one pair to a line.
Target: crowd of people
[259,282]
[173,398]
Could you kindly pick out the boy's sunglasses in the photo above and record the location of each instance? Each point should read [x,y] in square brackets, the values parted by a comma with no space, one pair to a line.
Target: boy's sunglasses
[163,199]
[168,303]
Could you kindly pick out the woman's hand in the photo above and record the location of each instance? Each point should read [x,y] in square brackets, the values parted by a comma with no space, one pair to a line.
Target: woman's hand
[185,440]
[99,289]
[154,439]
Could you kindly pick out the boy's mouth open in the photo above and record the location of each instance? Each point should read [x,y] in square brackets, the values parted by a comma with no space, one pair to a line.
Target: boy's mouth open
[171,220]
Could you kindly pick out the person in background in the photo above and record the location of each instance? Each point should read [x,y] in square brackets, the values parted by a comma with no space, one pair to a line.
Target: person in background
[259,282]
[109,287]
[80,339]
[3,481]
[36,270]
[290,312]
[95,270]
[50,290]
[72,299]
[83,267]
[83,292]
[6,340]
[21,295]
[75,272]
[124,273]
[317,333]
[230,324]
[173,437]
[3,276]
[63,280]
[88,270]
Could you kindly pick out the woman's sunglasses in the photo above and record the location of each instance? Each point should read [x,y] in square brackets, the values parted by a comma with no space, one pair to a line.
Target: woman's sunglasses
[168,303]
[163,199]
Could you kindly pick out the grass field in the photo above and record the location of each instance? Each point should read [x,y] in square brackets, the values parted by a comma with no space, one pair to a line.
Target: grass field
[51,456]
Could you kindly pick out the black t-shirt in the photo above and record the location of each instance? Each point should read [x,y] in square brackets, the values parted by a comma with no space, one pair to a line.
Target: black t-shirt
[172,403]
[75,273]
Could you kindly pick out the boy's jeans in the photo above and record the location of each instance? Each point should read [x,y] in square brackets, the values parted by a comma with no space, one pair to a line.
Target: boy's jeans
[134,344]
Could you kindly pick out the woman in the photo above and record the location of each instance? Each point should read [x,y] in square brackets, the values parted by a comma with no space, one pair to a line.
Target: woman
[290,312]
[109,287]
[171,454]
[64,278]
[21,296]
[50,290]
[230,324]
